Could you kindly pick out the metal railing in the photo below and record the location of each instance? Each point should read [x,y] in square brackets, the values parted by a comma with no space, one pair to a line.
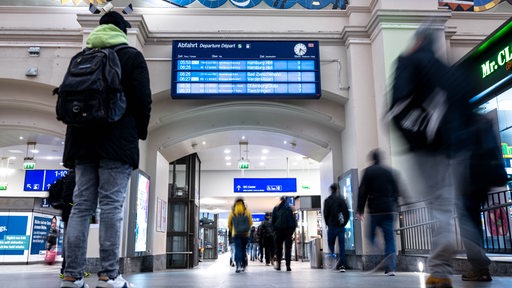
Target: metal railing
[417,225]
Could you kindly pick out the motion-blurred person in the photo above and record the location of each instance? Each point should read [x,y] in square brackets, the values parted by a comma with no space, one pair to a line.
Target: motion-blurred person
[443,160]
[254,240]
[284,224]
[336,216]
[240,222]
[379,188]
[267,239]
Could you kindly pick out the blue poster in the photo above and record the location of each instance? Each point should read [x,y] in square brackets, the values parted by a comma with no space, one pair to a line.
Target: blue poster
[13,235]
[40,230]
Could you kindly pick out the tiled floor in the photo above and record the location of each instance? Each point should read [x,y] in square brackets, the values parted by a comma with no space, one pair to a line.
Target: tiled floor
[218,274]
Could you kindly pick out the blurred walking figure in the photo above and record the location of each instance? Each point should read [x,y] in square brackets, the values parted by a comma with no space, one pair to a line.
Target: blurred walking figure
[379,188]
[267,239]
[239,223]
[284,224]
[444,152]
[254,239]
[336,216]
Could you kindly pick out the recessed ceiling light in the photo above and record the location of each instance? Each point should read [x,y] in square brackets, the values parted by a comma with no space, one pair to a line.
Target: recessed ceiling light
[204,142]
[227,151]
[285,142]
[264,151]
[263,158]
[228,163]
[294,163]
[21,137]
[16,151]
[262,163]
[35,151]
[243,137]
[227,157]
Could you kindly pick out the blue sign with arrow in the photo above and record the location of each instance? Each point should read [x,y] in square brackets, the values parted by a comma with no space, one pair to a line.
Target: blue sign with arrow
[265,185]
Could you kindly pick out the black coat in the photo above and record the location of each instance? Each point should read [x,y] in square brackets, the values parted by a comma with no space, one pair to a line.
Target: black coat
[418,73]
[333,205]
[119,140]
[380,188]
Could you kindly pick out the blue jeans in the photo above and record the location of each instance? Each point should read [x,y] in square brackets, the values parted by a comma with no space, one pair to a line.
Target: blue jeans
[332,233]
[104,183]
[385,222]
[240,250]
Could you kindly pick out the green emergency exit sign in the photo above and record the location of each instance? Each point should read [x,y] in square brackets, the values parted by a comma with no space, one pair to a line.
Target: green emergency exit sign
[29,166]
[243,165]
[3,187]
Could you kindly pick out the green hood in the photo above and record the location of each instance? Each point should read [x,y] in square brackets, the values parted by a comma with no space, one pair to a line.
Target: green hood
[105,36]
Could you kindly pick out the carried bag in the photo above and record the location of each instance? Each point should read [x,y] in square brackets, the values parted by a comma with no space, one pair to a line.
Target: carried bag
[50,256]
[341,219]
[91,91]
[420,123]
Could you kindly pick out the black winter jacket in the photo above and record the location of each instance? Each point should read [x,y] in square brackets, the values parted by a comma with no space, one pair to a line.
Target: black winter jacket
[119,140]
[379,187]
[333,205]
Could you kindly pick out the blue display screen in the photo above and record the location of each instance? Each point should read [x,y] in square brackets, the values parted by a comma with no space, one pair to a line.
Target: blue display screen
[245,69]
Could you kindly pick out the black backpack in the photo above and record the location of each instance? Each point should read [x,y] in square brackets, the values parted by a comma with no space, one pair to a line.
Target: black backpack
[55,194]
[91,92]
[240,224]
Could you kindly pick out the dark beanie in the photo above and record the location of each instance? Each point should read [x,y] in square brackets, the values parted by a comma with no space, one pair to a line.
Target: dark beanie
[115,19]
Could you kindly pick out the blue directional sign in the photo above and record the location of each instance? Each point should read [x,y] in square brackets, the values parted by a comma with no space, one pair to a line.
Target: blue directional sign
[265,185]
[258,217]
[40,180]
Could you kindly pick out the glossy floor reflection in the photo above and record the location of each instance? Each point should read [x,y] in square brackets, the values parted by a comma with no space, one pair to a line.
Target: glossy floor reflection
[213,274]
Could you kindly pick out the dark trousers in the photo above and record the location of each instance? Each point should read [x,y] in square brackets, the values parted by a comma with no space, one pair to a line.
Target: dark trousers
[268,247]
[468,210]
[286,238]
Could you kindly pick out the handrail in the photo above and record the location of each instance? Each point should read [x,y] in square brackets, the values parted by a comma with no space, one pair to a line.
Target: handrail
[416,225]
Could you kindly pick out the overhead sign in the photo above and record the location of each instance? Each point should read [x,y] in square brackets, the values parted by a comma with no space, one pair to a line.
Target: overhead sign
[489,65]
[266,185]
[245,69]
[40,180]
[258,217]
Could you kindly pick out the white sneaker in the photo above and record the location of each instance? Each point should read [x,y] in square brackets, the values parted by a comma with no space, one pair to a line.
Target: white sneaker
[390,273]
[119,282]
[80,283]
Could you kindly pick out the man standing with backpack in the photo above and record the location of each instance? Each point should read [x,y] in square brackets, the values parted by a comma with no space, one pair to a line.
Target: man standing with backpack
[103,156]
[284,224]
[336,216]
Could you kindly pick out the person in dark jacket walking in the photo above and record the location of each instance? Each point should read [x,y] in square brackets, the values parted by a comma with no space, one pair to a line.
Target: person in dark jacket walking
[444,166]
[103,158]
[284,224]
[379,188]
[336,216]
[267,239]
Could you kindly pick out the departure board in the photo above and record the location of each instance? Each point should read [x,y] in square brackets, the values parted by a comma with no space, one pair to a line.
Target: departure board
[245,69]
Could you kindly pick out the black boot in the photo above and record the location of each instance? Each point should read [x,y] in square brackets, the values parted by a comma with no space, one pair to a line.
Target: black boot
[288,268]
[278,266]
